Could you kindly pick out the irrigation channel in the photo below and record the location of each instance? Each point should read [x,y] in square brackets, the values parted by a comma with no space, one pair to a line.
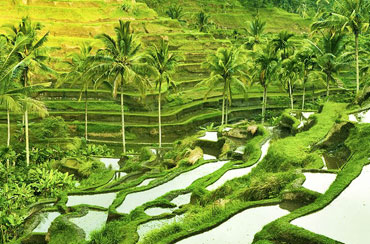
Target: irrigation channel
[241,227]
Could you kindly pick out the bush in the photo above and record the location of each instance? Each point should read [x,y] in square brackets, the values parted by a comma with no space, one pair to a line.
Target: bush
[50,127]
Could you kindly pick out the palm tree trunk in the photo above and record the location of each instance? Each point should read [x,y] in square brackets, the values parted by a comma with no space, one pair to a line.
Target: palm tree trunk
[357,66]
[159,115]
[313,93]
[227,111]
[123,122]
[8,120]
[27,138]
[304,91]
[26,125]
[86,114]
[291,95]
[223,106]
[8,141]
[327,88]
[264,102]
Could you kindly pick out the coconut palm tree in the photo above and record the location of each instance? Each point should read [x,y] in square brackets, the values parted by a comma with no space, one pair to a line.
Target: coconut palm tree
[351,15]
[289,76]
[265,66]
[33,57]
[79,63]
[202,21]
[306,57]
[282,43]
[227,67]
[164,64]
[329,59]
[119,63]
[255,32]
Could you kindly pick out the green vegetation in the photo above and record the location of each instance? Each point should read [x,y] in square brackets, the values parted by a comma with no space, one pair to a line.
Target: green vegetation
[176,67]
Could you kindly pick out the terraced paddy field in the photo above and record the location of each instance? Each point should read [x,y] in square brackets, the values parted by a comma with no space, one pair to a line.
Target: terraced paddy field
[276,152]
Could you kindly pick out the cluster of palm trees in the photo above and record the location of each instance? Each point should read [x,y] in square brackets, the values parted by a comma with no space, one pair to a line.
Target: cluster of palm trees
[263,59]
[121,64]
[22,58]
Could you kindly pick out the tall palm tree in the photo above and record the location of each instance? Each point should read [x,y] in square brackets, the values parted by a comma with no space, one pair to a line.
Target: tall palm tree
[306,57]
[119,63]
[329,60]
[282,43]
[227,68]
[289,76]
[255,32]
[79,63]
[351,15]
[33,57]
[164,64]
[264,69]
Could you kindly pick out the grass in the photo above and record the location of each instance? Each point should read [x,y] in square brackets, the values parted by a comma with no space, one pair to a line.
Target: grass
[281,230]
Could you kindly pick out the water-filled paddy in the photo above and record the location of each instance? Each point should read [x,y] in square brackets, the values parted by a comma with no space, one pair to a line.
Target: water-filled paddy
[46,219]
[92,221]
[182,181]
[319,182]
[103,200]
[347,218]
[240,228]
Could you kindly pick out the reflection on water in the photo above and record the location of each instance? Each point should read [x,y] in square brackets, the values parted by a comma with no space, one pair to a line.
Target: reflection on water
[346,218]
[46,219]
[93,220]
[182,181]
[103,200]
[240,228]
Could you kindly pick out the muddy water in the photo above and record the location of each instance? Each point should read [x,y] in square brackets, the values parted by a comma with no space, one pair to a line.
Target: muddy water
[347,218]
[239,229]
[182,181]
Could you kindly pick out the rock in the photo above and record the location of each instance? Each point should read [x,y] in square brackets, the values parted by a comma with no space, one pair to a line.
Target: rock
[195,155]
[252,129]
[238,133]
[64,231]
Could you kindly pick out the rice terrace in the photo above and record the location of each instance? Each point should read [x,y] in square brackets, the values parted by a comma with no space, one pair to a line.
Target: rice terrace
[188,121]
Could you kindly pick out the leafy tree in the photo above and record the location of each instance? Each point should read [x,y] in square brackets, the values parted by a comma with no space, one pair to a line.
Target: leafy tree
[119,63]
[282,43]
[306,57]
[164,63]
[290,76]
[329,57]
[175,12]
[33,57]
[202,21]
[227,68]
[79,64]
[255,31]
[265,67]
[350,15]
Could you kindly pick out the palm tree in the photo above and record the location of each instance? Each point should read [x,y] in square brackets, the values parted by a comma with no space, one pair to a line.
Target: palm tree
[164,64]
[32,57]
[79,64]
[306,58]
[202,21]
[265,67]
[119,63]
[289,76]
[329,57]
[282,43]
[351,15]
[227,68]
[255,32]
